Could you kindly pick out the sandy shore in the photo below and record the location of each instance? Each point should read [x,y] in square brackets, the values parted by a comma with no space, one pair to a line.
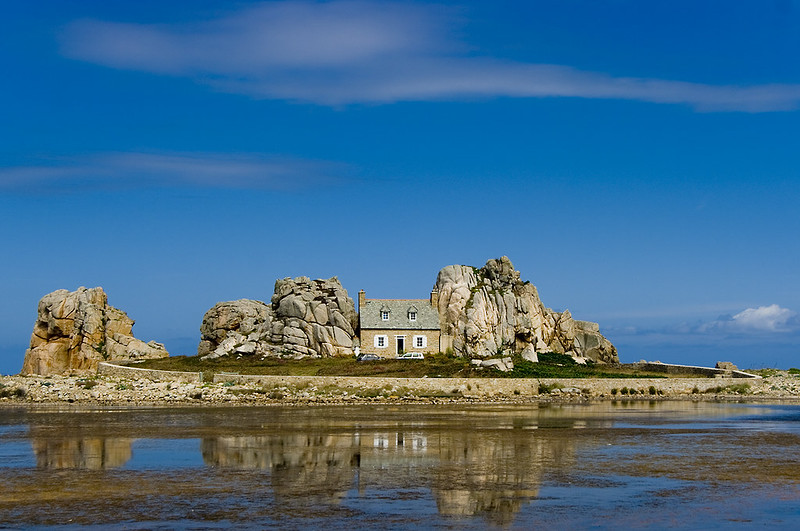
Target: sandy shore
[114,390]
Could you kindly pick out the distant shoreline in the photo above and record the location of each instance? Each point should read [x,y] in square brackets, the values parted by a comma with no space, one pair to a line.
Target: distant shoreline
[112,390]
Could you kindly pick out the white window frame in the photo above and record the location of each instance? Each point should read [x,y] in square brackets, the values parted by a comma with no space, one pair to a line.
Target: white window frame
[384,315]
[412,316]
[378,341]
[420,339]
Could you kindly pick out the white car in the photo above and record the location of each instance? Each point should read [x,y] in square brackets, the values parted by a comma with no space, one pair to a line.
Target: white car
[411,356]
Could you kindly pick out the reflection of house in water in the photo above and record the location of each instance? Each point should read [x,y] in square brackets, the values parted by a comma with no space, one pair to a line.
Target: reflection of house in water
[413,441]
[470,472]
[92,453]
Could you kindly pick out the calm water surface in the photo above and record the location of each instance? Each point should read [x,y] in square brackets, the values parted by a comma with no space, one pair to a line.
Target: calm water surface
[623,464]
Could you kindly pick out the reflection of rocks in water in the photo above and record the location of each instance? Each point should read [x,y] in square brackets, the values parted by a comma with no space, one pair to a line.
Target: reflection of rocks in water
[491,472]
[92,453]
[494,474]
[498,506]
[312,468]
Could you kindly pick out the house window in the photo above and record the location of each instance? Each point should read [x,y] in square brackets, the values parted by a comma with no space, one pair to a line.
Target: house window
[385,315]
[412,316]
[420,341]
[381,341]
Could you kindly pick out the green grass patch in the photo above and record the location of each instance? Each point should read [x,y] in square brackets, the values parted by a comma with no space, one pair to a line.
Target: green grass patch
[441,365]
[552,365]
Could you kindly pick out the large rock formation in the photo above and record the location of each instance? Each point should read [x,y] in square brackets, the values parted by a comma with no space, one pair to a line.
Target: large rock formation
[74,331]
[305,318]
[490,311]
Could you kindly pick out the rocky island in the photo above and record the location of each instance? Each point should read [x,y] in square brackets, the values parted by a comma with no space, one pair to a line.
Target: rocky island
[82,348]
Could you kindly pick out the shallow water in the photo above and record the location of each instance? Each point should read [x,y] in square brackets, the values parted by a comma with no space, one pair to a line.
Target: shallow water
[631,464]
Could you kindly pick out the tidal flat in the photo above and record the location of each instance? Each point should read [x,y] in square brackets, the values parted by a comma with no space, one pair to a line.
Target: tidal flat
[638,464]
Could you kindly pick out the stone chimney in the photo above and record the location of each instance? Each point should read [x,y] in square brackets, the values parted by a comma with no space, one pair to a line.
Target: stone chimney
[435,299]
[362,299]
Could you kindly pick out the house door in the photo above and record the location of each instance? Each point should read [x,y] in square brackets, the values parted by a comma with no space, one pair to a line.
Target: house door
[401,344]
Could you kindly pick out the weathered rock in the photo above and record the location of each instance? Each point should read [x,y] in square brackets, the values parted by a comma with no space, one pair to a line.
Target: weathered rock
[501,364]
[490,311]
[76,330]
[305,318]
[529,354]
[228,324]
[726,365]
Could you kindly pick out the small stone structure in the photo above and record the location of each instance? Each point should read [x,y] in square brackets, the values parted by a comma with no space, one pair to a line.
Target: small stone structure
[388,327]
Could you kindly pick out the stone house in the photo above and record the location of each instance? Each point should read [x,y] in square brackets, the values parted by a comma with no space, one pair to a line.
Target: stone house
[391,326]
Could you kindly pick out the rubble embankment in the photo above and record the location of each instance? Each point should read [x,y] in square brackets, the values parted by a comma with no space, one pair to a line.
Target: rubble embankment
[116,389]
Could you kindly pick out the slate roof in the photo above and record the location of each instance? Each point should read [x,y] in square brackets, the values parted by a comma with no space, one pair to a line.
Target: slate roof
[370,315]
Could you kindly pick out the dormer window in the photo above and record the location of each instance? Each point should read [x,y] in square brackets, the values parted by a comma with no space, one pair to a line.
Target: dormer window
[385,315]
[412,316]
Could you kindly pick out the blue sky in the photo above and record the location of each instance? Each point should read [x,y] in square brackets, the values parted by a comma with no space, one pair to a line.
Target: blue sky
[637,161]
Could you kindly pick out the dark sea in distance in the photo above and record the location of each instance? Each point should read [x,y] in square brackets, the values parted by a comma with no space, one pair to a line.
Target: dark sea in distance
[623,464]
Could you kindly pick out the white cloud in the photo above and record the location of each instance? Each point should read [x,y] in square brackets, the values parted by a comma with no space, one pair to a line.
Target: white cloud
[770,318]
[136,169]
[762,320]
[346,52]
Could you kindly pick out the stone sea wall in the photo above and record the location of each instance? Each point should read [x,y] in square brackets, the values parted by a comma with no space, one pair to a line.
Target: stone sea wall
[130,386]
[487,387]
[134,373]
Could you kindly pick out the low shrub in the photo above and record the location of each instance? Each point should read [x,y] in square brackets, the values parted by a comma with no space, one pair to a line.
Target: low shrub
[17,392]
[548,388]
[734,389]
[87,384]
[551,358]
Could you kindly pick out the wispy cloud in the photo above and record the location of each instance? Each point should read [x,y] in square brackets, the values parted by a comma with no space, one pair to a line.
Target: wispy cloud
[345,52]
[136,170]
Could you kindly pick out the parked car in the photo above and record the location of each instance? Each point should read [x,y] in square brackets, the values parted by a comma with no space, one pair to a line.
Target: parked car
[411,356]
[368,357]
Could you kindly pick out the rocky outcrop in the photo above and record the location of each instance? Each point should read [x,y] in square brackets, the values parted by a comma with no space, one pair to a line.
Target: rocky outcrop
[305,318]
[489,311]
[76,330]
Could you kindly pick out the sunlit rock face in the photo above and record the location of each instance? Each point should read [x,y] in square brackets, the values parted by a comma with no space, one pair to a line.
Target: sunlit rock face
[305,318]
[490,311]
[76,330]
